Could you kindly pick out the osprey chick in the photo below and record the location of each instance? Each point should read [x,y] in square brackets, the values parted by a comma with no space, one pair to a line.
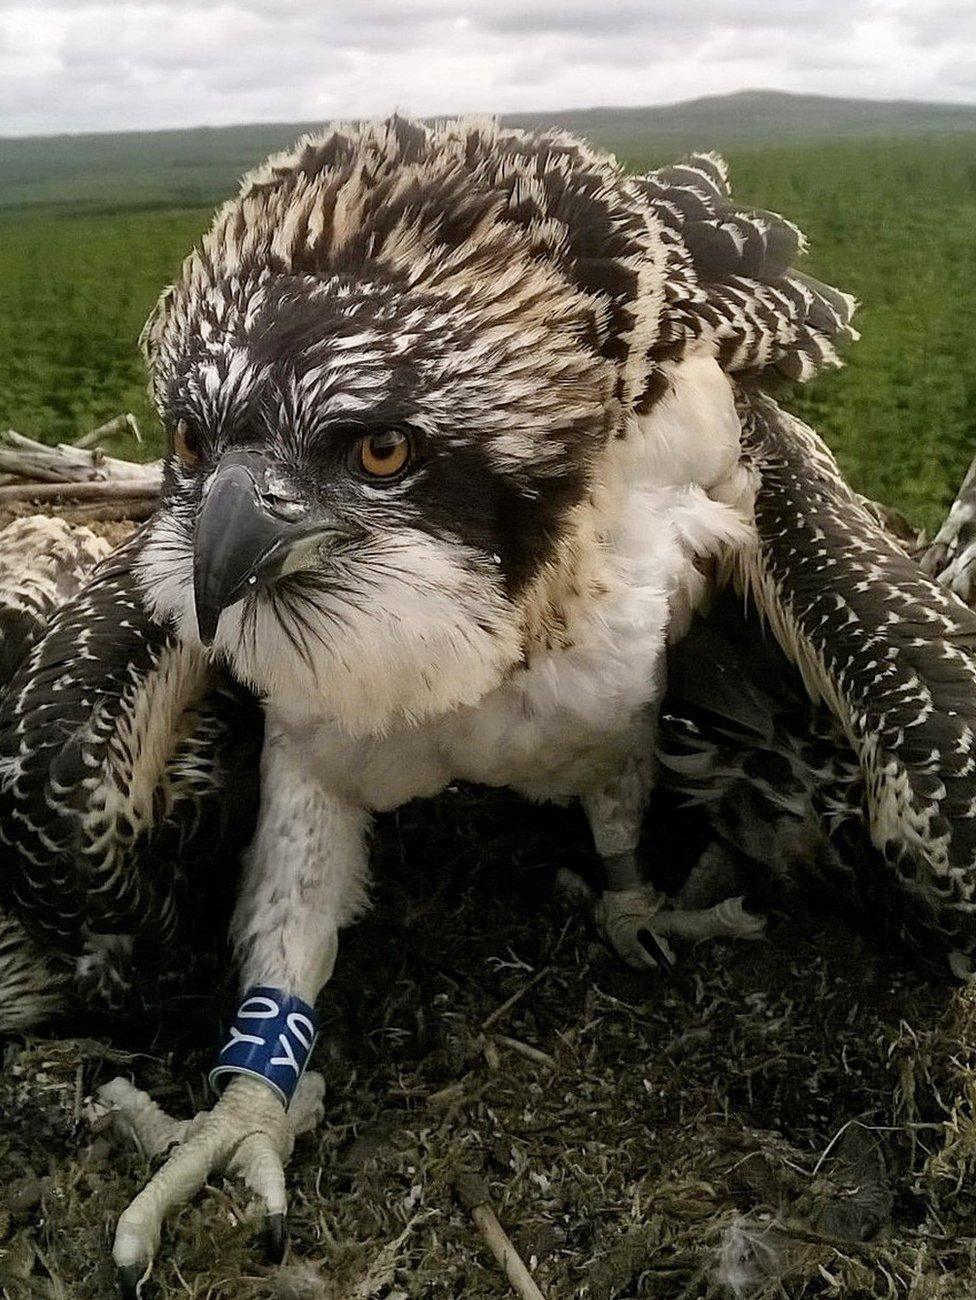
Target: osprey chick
[463,425]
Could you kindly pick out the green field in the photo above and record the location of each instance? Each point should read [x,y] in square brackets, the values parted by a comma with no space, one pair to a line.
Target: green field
[892,219]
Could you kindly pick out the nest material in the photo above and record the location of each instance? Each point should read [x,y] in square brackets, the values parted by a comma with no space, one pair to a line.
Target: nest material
[794,1118]
[78,479]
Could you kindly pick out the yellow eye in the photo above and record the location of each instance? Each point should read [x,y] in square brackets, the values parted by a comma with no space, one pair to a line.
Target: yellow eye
[383,455]
[186,444]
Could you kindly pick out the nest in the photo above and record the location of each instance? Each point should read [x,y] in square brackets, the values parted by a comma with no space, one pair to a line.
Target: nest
[788,1118]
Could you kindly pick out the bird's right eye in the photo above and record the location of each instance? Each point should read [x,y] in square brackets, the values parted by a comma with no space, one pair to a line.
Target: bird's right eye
[186,444]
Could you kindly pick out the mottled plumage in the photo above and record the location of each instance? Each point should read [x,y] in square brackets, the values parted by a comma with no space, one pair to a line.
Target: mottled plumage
[44,562]
[885,792]
[465,426]
[126,762]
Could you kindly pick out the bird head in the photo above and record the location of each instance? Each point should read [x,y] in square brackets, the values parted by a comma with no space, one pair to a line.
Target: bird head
[376,455]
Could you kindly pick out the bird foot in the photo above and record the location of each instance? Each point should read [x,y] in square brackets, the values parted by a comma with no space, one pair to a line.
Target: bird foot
[247,1135]
[726,920]
[635,922]
[627,920]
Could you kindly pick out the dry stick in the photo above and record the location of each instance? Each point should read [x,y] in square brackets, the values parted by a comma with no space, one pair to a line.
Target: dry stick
[31,460]
[109,490]
[21,440]
[534,1054]
[472,1192]
[71,466]
[507,1005]
[115,512]
[35,469]
[110,429]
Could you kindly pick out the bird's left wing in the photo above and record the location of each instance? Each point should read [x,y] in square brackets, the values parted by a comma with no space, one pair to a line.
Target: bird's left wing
[892,653]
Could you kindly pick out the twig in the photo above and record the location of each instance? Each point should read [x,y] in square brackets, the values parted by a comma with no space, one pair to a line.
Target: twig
[112,490]
[114,512]
[472,1192]
[79,1079]
[507,1005]
[110,429]
[534,1054]
[31,460]
[830,1146]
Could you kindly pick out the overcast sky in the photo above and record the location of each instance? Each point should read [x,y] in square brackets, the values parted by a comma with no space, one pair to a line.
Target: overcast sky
[79,65]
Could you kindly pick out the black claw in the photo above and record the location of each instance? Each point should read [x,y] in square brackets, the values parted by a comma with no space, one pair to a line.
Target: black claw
[132,1279]
[648,940]
[275,1238]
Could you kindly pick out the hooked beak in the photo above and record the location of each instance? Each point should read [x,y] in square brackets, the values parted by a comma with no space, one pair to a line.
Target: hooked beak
[248,533]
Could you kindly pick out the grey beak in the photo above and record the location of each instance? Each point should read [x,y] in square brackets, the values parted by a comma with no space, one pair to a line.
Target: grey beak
[242,540]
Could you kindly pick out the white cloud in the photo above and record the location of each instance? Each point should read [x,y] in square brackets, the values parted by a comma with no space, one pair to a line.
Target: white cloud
[74,65]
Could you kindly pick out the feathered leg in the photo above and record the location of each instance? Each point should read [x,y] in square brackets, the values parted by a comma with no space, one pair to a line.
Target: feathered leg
[772,775]
[633,916]
[304,878]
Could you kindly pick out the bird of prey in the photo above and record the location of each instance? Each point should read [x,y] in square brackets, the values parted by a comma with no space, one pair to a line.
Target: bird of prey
[465,424]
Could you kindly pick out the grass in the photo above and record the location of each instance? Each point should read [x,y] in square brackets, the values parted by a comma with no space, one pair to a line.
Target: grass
[890,220]
[894,224]
[77,289]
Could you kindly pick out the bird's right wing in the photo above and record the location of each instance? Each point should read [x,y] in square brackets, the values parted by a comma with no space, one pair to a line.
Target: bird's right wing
[120,753]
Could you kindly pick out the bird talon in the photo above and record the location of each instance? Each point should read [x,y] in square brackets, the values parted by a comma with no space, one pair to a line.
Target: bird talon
[657,949]
[248,1135]
[634,923]
[625,919]
[725,920]
[132,1278]
[275,1238]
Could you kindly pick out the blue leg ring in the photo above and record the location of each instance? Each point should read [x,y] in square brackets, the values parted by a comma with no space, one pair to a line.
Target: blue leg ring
[271,1039]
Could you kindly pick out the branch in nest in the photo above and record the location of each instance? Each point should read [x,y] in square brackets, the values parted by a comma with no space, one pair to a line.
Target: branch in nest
[472,1192]
[132,489]
[110,429]
[25,458]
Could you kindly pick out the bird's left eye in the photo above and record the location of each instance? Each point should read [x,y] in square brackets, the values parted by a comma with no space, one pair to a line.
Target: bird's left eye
[382,455]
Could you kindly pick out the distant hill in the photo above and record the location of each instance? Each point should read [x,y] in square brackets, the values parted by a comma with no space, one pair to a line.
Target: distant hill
[198,167]
[760,116]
